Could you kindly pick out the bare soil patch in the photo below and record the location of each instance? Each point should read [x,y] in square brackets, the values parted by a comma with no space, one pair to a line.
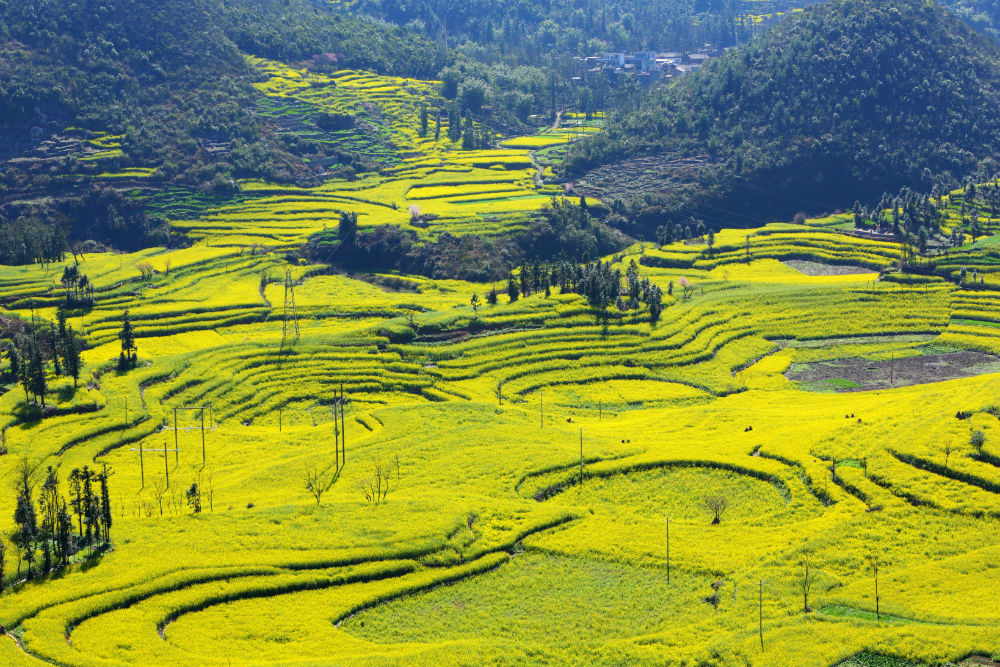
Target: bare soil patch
[818,269]
[858,374]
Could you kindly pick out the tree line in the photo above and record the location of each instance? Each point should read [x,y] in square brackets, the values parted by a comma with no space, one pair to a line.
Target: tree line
[35,347]
[598,281]
[43,534]
[561,229]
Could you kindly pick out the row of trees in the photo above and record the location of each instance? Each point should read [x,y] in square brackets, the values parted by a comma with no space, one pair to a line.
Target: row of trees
[32,352]
[31,239]
[79,289]
[598,281]
[45,531]
[562,228]
[916,218]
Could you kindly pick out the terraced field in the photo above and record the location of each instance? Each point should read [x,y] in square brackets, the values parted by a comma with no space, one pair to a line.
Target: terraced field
[533,451]
[459,192]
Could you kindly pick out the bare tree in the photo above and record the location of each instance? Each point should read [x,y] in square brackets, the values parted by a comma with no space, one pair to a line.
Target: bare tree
[375,487]
[159,488]
[317,483]
[210,491]
[807,577]
[717,505]
[498,392]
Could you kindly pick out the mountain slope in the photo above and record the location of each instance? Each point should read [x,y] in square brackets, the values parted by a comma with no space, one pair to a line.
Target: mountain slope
[843,101]
[92,86]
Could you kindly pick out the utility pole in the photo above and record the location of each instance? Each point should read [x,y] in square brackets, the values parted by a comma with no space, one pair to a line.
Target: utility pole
[581,456]
[126,412]
[203,437]
[600,410]
[343,425]
[176,445]
[892,369]
[668,550]
[335,409]
[760,615]
[279,420]
[166,463]
[541,410]
[878,615]
[289,308]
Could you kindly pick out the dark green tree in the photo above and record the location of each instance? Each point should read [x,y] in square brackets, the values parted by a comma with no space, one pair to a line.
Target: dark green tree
[654,300]
[91,507]
[513,291]
[54,343]
[36,375]
[347,230]
[468,135]
[76,497]
[71,355]
[64,527]
[105,509]
[127,358]
[25,517]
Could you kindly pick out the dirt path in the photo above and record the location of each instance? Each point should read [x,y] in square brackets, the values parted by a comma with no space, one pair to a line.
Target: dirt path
[539,172]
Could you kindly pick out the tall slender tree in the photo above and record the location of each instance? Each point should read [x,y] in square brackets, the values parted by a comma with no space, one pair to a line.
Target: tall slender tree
[25,517]
[71,352]
[105,509]
[37,382]
[76,497]
[91,513]
[127,337]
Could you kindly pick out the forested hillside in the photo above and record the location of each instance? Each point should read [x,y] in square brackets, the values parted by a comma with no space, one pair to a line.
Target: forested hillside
[843,101]
[162,88]
[517,32]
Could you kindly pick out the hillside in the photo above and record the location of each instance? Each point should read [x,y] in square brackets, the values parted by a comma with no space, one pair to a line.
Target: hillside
[161,96]
[843,101]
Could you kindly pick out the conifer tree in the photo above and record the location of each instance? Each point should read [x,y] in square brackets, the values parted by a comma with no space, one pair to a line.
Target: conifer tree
[91,512]
[105,509]
[14,362]
[512,289]
[23,376]
[71,352]
[76,497]
[36,375]
[64,532]
[49,505]
[24,515]
[468,135]
[127,337]
[54,344]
